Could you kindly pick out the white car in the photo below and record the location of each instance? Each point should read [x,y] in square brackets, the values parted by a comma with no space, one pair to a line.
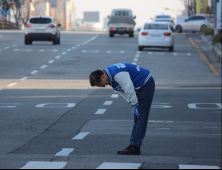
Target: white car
[164,18]
[156,35]
[42,28]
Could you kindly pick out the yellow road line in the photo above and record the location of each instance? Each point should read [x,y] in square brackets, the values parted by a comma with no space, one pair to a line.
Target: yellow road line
[203,57]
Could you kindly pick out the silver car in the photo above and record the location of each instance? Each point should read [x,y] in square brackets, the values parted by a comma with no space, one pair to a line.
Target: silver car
[194,23]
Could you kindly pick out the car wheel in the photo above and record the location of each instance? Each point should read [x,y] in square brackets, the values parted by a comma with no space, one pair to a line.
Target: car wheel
[111,34]
[140,48]
[178,29]
[58,40]
[54,41]
[171,48]
[202,28]
[131,34]
[28,42]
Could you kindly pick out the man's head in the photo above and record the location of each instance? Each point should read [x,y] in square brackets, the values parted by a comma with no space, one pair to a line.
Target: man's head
[99,78]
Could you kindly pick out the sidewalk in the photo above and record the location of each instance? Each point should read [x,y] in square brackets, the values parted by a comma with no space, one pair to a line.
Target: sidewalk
[212,52]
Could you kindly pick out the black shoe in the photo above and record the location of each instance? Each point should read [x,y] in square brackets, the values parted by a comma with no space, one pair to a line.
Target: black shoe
[130,150]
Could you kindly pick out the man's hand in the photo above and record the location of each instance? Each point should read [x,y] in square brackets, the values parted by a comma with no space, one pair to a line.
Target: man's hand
[136,112]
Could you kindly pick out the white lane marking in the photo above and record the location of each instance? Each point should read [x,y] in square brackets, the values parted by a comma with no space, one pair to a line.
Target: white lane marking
[44,66]
[22,50]
[100,111]
[24,78]
[14,45]
[12,84]
[137,56]
[34,72]
[44,165]
[73,47]
[194,105]
[93,38]
[138,52]
[51,61]
[135,59]
[113,165]
[122,52]
[56,105]
[108,51]
[198,167]
[16,104]
[69,50]
[114,96]
[107,102]
[188,54]
[55,50]
[150,52]
[81,135]
[41,50]
[57,57]
[64,152]
[77,45]
[63,53]
[161,53]
[6,48]
[174,53]
[160,121]
[134,63]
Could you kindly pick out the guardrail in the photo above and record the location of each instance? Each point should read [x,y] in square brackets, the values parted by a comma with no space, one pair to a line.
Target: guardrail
[8,25]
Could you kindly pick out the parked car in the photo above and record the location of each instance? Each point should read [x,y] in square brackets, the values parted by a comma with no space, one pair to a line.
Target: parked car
[121,22]
[42,28]
[194,23]
[164,18]
[157,35]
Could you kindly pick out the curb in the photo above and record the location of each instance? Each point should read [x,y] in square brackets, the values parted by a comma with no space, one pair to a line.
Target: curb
[214,49]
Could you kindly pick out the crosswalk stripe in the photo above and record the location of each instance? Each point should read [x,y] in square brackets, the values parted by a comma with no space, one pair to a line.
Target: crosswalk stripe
[113,165]
[81,135]
[44,165]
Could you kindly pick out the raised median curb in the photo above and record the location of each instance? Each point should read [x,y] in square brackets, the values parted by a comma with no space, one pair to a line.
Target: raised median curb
[216,49]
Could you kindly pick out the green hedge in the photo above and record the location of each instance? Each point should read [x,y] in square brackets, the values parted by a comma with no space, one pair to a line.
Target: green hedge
[217,39]
[209,31]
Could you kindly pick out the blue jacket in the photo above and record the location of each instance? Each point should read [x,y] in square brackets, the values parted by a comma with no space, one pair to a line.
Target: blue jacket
[127,79]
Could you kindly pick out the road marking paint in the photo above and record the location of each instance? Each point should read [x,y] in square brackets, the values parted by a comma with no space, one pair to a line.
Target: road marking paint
[73,47]
[44,165]
[135,59]
[100,111]
[188,54]
[161,53]
[57,57]
[64,152]
[63,53]
[16,104]
[93,38]
[77,45]
[113,165]
[108,51]
[134,63]
[51,61]
[114,96]
[41,50]
[160,121]
[191,40]
[122,52]
[137,56]
[150,52]
[108,103]
[12,84]
[69,50]
[22,50]
[174,53]
[81,135]
[138,52]
[34,72]
[198,167]
[6,48]
[24,78]
[14,45]
[69,105]
[90,51]
[44,66]
[55,50]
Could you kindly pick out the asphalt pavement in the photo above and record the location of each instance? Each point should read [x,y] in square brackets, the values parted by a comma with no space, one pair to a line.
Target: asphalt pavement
[50,116]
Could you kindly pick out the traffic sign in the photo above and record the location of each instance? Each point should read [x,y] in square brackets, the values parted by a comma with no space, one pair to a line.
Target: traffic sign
[4,12]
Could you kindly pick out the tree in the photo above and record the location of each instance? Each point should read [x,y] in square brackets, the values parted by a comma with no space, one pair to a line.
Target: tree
[16,7]
[25,11]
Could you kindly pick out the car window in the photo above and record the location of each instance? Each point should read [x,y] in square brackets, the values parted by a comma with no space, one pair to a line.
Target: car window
[196,18]
[156,26]
[162,16]
[40,20]
[121,13]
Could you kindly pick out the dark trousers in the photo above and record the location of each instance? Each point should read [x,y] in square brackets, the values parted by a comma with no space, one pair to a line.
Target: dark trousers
[145,98]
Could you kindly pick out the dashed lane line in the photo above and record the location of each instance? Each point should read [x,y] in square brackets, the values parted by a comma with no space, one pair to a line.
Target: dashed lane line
[113,165]
[34,72]
[44,66]
[81,135]
[107,102]
[100,111]
[114,96]
[65,152]
[44,165]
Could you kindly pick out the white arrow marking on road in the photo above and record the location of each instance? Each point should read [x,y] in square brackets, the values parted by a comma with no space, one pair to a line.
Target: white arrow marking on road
[113,165]
[81,135]
[34,72]
[44,165]
[44,66]
[100,111]
[114,96]
[64,152]
[108,103]
[12,84]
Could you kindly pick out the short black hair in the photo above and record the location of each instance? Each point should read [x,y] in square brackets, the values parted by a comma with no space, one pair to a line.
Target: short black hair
[95,77]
